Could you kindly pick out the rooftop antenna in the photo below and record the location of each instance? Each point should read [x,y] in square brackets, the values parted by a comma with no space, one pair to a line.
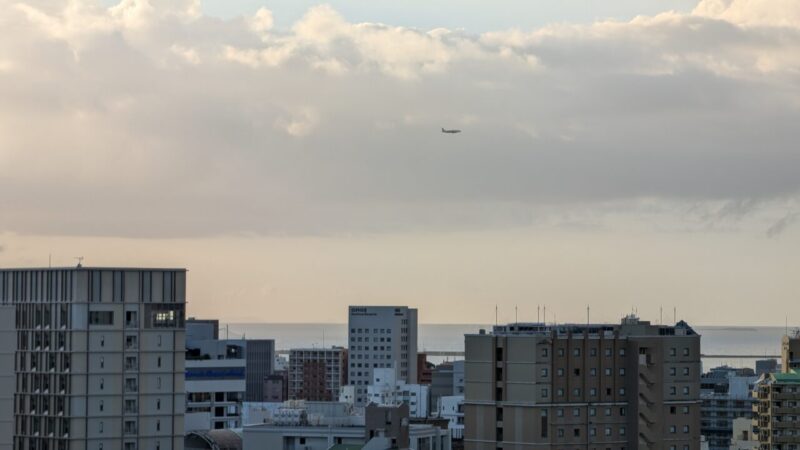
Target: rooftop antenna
[545,315]
[323,338]
[539,313]
[661,315]
[587,315]
[80,261]
[516,315]
[49,260]
[675,314]
[495,315]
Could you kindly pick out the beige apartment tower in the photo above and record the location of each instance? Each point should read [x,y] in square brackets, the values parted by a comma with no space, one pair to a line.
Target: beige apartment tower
[777,406]
[595,387]
[97,358]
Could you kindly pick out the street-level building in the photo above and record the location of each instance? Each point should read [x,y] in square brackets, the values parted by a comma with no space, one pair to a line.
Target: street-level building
[98,361]
[598,386]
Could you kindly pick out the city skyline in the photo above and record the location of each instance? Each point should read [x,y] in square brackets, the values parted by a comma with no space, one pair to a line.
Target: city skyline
[289,154]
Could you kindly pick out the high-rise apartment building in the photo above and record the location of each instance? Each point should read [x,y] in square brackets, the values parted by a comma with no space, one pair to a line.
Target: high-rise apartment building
[98,360]
[380,337]
[317,374]
[622,387]
[777,404]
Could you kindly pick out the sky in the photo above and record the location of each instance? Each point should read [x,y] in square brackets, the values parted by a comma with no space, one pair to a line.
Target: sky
[625,155]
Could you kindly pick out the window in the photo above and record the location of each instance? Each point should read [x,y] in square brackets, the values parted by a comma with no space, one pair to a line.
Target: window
[576,432]
[101,426]
[673,351]
[560,392]
[621,391]
[576,351]
[686,351]
[576,412]
[102,383]
[101,317]
[158,425]
[593,351]
[159,361]
[561,352]
[673,390]
[158,404]
[560,412]
[545,393]
[593,392]
[622,431]
[622,352]
[608,431]
[686,429]
[685,410]
[560,432]
[672,429]
[608,352]
[101,405]
[560,372]
[673,371]
[545,353]
[608,411]
[607,371]
[593,372]
[622,372]
[686,371]
[592,412]
[102,362]
[544,372]
[686,390]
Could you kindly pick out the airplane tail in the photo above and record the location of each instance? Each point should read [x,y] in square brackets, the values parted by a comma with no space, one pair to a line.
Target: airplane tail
[442,130]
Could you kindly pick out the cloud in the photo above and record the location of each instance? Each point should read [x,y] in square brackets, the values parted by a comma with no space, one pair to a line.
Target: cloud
[782,13]
[777,228]
[148,118]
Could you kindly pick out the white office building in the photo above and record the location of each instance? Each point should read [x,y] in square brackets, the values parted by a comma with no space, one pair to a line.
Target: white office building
[387,390]
[381,337]
[99,359]
[452,408]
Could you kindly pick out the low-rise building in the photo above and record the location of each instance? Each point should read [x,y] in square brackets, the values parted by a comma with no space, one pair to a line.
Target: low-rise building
[387,390]
[452,408]
[333,425]
[743,436]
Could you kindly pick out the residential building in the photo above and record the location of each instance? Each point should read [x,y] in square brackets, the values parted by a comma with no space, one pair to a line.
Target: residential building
[387,390]
[99,359]
[590,386]
[317,374]
[260,355]
[329,425]
[727,394]
[380,337]
[777,408]
[777,404]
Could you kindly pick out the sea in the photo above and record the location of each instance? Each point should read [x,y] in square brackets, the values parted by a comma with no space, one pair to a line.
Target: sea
[715,340]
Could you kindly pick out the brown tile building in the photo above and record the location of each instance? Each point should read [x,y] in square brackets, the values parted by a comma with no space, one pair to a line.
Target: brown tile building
[622,387]
[317,374]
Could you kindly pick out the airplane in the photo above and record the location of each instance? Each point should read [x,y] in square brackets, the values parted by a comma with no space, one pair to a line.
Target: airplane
[450,131]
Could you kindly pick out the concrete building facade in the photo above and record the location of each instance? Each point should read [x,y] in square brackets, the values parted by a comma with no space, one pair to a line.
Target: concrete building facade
[260,356]
[380,337]
[387,390]
[317,374]
[99,359]
[727,394]
[627,386]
